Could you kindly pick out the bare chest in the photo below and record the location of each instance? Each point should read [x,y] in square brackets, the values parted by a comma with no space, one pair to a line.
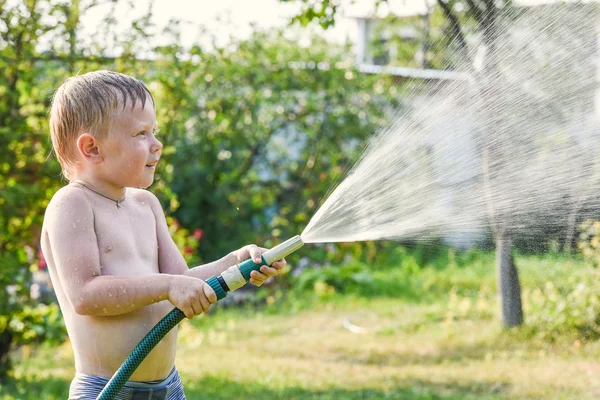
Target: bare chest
[127,241]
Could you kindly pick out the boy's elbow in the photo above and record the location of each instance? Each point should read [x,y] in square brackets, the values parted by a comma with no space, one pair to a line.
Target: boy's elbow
[80,303]
[79,307]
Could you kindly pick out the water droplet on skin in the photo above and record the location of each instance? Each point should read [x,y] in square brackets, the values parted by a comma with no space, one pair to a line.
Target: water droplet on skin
[109,294]
[95,305]
[74,226]
[105,311]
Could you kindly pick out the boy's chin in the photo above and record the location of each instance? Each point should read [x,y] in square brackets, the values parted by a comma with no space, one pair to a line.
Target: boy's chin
[147,184]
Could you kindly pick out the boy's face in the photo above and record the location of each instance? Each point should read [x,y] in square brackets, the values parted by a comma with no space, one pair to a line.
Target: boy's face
[130,151]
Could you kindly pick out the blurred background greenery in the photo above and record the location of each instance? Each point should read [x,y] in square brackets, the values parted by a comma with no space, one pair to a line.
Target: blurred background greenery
[256,132]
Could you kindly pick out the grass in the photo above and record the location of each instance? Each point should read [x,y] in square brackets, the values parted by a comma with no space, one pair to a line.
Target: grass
[414,347]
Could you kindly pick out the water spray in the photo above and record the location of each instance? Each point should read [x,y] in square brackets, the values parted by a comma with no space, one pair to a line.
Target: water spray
[231,279]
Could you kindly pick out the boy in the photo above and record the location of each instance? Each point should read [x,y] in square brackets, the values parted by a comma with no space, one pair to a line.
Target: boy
[113,264]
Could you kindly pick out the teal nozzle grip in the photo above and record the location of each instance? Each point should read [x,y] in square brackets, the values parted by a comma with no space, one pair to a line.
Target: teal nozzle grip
[214,283]
[249,265]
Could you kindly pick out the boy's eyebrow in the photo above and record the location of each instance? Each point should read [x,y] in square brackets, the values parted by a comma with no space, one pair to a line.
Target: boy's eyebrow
[144,126]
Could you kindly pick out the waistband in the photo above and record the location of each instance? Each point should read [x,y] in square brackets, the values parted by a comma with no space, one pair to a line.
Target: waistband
[88,387]
[157,384]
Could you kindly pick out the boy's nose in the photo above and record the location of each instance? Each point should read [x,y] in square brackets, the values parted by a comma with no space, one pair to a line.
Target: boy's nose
[157,145]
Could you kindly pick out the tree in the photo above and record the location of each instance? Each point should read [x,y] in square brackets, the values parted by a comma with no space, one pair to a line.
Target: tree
[484,14]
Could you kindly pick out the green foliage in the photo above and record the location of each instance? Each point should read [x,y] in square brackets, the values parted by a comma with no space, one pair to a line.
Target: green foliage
[331,279]
[186,243]
[589,242]
[27,180]
[571,310]
[323,12]
[35,324]
[391,270]
[256,134]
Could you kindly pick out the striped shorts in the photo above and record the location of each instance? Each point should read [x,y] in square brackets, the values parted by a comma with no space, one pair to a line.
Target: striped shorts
[88,387]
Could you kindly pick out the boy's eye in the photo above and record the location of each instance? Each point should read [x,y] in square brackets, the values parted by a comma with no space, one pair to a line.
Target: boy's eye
[144,133]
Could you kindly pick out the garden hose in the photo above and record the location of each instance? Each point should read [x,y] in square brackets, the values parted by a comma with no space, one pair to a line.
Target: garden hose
[231,279]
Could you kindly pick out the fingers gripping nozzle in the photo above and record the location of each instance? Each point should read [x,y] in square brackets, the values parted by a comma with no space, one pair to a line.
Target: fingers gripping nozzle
[236,276]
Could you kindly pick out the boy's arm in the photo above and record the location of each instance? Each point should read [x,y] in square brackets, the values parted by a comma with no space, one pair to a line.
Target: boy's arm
[73,244]
[171,260]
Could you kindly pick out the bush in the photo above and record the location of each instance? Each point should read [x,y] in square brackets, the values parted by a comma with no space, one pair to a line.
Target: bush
[589,242]
[31,324]
[573,310]
[330,279]
[35,324]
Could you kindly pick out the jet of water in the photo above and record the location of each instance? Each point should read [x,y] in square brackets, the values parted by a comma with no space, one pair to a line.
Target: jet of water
[514,147]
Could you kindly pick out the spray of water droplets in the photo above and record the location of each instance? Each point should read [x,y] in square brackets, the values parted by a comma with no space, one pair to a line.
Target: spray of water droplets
[512,147]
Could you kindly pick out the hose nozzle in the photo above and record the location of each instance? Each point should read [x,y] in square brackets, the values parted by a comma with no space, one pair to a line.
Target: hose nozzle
[236,276]
[282,250]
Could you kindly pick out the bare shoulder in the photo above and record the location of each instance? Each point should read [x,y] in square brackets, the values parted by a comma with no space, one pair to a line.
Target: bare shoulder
[68,203]
[142,195]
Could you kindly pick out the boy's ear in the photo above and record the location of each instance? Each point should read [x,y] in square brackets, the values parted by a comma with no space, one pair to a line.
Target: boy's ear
[88,148]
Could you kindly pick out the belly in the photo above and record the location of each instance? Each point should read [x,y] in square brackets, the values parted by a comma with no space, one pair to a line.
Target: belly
[103,343]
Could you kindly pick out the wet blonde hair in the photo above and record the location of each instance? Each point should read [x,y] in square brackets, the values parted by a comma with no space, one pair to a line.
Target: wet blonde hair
[85,103]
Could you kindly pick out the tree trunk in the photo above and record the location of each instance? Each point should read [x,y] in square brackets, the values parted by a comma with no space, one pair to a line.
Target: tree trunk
[572,224]
[5,362]
[509,288]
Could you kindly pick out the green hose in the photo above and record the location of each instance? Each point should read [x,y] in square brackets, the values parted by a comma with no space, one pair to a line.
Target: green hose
[145,346]
[169,321]
[140,352]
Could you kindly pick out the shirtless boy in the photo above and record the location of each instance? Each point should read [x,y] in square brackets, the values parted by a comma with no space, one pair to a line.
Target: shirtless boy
[113,264]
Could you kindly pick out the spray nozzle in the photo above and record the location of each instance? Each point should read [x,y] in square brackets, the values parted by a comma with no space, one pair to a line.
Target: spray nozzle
[282,250]
[236,276]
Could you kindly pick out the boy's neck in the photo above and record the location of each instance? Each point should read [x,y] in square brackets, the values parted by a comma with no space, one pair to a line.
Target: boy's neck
[100,186]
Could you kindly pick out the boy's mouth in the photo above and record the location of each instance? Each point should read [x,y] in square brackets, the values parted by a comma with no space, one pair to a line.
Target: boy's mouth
[152,164]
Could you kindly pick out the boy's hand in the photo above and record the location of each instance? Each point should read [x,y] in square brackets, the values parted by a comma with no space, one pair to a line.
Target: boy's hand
[193,296]
[254,252]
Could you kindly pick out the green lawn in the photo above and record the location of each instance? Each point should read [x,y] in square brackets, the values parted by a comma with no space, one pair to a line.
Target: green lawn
[425,345]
